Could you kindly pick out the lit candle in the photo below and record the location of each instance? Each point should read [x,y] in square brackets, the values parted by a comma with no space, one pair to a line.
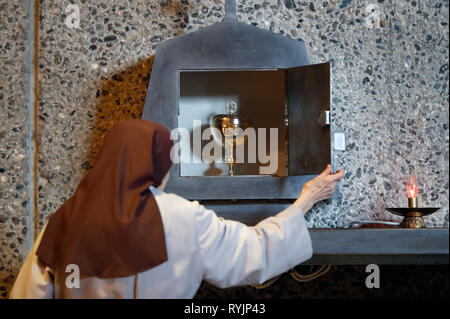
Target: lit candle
[412,190]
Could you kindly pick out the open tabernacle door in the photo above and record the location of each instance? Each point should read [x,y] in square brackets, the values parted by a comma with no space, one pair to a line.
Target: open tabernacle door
[308,95]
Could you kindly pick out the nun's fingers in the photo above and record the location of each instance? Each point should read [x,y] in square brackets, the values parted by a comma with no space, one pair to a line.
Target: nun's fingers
[327,191]
[334,177]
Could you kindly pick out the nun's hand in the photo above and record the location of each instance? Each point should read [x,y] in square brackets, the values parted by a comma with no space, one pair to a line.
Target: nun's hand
[319,188]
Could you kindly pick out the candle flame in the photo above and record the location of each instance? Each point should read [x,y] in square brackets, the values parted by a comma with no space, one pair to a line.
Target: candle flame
[411,188]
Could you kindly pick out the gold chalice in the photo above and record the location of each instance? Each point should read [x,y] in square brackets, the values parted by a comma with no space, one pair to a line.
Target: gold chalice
[231,127]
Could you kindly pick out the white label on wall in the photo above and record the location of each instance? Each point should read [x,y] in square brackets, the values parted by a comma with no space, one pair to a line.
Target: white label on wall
[73,19]
[339,141]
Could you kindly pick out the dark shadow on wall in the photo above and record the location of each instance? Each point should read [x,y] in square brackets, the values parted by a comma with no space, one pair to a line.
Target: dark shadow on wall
[123,94]
[179,11]
[120,97]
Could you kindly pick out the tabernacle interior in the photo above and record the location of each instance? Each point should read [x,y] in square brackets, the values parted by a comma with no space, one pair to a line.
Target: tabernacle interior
[260,96]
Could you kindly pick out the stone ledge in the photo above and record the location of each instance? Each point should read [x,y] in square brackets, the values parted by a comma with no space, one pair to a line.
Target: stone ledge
[379,246]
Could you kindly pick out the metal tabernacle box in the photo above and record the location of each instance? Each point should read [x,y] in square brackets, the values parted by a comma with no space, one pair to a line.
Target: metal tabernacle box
[270,77]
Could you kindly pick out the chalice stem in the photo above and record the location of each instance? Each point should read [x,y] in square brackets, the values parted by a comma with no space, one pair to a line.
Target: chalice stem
[230,169]
[229,159]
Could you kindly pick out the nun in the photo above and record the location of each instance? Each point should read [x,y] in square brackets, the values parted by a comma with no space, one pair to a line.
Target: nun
[121,236]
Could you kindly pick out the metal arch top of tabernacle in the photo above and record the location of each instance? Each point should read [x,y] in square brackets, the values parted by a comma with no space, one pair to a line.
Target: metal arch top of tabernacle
[226,45]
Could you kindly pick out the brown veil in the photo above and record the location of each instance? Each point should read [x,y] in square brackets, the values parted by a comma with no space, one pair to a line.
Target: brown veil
[111,226]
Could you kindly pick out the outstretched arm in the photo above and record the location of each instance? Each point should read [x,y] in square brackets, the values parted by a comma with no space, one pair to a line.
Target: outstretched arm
[235,254]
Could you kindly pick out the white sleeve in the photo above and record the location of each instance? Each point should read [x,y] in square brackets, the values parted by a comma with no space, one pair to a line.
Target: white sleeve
[235,254]
[34,280]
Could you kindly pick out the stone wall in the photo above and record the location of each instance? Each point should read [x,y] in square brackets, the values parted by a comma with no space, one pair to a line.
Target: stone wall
[390,97]
[16,140]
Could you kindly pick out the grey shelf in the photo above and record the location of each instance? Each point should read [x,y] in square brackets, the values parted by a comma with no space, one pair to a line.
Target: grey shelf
[352,246]
[429,246]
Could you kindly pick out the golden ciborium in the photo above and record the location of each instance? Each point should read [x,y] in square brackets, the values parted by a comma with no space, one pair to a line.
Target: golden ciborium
[231,127]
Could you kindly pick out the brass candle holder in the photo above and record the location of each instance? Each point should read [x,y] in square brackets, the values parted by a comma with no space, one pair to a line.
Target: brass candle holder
[412,215]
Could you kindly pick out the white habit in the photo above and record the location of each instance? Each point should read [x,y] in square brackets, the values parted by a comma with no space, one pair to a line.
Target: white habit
[200,246]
